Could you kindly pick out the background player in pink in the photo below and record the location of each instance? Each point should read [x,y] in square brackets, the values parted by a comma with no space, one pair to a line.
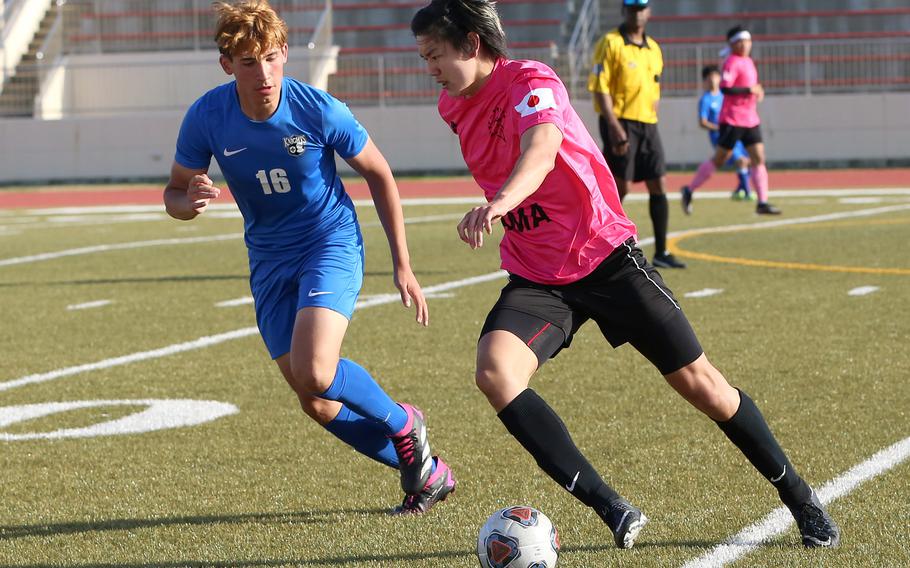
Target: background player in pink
[739,121]
[571,254]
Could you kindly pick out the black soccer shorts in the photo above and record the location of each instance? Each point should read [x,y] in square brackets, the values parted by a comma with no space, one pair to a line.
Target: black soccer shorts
[728,135]
[625,295]
[644,159]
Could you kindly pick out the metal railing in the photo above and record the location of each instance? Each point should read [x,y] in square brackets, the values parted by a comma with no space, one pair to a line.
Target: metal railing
[804,67]
[117,26]
[581,44]
[402,78]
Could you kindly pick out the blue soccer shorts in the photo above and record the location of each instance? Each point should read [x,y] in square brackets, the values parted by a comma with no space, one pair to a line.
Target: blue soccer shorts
[739,151]
[329,277]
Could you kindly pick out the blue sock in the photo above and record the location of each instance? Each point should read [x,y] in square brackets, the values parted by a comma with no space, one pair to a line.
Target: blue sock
[743,175]
[355,388]
[363,435]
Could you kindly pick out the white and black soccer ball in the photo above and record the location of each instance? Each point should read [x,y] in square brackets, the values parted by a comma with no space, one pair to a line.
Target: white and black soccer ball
[518,537]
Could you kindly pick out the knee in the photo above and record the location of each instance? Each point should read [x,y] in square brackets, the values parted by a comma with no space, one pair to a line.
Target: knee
[320,410]
[708,391]
[489,380]
[312,376]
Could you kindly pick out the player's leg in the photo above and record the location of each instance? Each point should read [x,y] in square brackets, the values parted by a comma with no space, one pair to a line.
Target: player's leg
[275,286]
[739,418]
[704,172]
[631,303]
[650,167]
[759,171]
[741,161]
[318,369]
[365,436]
[512,346]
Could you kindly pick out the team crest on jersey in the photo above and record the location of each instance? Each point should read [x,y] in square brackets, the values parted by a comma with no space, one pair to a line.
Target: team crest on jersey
[295,145]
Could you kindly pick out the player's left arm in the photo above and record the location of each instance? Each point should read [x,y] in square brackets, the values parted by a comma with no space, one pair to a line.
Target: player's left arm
[539,147]
[373,167]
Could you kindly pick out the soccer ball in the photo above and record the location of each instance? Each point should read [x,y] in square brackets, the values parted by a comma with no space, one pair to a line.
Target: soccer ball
[518,537]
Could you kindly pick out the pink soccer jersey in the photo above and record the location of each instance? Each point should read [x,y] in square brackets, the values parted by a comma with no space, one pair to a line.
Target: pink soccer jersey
[574,220]
[739,110]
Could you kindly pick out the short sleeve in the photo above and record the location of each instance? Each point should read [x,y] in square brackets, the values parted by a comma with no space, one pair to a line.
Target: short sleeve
[342,131]
[538,100]
[728,74]
[193,149]
[599,78]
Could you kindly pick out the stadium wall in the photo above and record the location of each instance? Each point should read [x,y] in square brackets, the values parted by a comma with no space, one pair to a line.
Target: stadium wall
[822,130]
[104,84]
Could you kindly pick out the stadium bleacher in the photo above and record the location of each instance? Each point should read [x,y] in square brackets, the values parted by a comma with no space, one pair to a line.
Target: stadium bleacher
[801,45]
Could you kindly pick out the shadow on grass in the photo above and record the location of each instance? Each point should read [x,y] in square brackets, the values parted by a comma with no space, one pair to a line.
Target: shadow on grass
[384,559]
[10,532]
[128,280]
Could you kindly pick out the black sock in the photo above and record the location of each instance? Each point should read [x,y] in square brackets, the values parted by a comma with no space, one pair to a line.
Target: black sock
[660,218]
[749,431]
[540,430]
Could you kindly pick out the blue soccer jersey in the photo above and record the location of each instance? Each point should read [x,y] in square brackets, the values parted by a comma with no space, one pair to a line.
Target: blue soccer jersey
[709,109]
[281,171]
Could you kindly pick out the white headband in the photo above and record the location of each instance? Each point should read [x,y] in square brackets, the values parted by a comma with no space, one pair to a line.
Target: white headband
[739,36]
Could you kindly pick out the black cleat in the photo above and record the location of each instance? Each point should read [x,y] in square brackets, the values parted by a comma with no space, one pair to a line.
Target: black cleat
[625,521]
[816,526]
[438,487]
[413,448]
[686,199]
[666,260]
[766,208]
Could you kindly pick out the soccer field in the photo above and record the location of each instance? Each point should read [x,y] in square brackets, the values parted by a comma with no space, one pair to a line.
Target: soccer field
[195,453]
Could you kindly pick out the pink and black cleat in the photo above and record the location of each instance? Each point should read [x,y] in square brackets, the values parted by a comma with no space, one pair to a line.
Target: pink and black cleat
[413,448]
[437,488]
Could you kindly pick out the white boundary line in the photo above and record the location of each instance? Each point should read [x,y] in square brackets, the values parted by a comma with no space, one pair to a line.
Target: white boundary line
[780,519]
[181,241]
[375,301]
[210,340]
[473,200]
[379,300]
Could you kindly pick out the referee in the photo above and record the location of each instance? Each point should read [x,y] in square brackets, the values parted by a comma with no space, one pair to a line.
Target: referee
[625,82]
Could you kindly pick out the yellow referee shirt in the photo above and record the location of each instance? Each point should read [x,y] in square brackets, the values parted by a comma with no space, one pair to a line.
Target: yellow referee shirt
[629,73]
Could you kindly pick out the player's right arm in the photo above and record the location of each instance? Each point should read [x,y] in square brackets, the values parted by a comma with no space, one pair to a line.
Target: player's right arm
[599,85]
[188,192]
[704,105]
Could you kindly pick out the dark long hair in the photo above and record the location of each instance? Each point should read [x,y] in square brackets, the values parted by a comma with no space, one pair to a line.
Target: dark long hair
[453,20]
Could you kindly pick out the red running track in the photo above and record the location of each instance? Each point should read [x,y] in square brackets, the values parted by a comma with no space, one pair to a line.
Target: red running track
[75,196]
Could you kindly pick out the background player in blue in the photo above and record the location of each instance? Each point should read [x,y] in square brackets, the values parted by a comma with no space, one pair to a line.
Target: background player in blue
[708,111]
[275,140]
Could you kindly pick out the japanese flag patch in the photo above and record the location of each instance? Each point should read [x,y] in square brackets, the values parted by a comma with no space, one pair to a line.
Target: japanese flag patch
[536,101]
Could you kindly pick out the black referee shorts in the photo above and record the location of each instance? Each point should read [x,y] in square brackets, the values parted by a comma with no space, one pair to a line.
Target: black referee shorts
[728,135]
[644,159]
[625,295]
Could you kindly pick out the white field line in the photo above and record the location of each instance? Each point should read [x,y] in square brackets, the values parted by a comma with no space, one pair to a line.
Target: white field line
[473,200]
[117,246]
[862,290]
[780,519]
[210,340]
[384,299]
[236,302]
[180,241]
[704,293]
[247,300]
[88,305]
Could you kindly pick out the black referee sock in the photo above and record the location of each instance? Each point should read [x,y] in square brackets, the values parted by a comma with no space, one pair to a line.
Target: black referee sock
[660,218]
[540,430]
[749,431]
